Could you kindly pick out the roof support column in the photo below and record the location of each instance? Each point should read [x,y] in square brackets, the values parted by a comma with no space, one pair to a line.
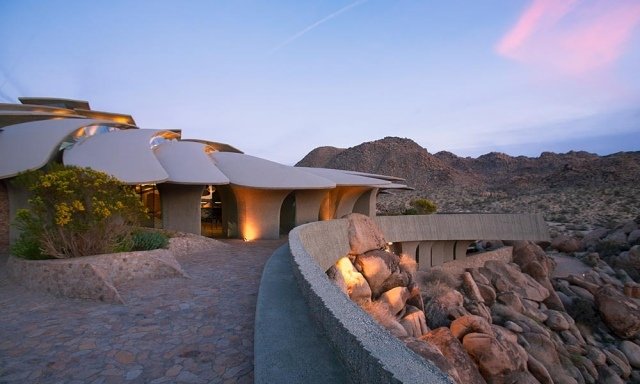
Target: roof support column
[366,203]
[308,204]
[181,207]
[259,212]
[340,201]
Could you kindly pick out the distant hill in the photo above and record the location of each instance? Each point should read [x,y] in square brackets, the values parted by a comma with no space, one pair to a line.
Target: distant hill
[494,171]
[575,187]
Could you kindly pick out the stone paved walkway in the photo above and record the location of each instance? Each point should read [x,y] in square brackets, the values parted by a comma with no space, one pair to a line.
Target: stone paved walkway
[197,330]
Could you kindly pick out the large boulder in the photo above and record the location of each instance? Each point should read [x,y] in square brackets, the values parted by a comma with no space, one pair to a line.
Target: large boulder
[469,324]
[364,235]
[506,277]
[567,244]
[620,313]
[414,322]
[381,313]
[431,353]
[632,352]
[495,355]
[452,349]
[591,239]
[382,271]
[349,280]
[544,351]
[396,299]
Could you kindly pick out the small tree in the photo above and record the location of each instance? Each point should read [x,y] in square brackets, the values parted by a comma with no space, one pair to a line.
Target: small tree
[74,212]
[421,207]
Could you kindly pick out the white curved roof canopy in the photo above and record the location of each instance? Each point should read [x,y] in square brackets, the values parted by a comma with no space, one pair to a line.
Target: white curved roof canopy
[189,163]
[29,146]
[125,154]
[248,171]
[375,175]
[343,178]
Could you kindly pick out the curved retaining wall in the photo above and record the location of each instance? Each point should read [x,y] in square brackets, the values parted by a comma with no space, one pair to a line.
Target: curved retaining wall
[372,354]
[93,277]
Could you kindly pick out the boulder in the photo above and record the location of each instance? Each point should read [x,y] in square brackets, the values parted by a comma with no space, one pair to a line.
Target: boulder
[350,281]
[508,278]
[591,239]
[556,321]
[632,352]
[487,292]
[382,271]
[395,298]
[431,353]
[567,244]
[511,300]
[364,234]
[414,322]
[519,377]
[469,324]
[620,313]
[495,355]
[618,362]
[544,350]
[440,310]
[607,375]
[538,370]
[452,349]
[596,355]
[616,238]
[634,237]
[587,369]
[381,313]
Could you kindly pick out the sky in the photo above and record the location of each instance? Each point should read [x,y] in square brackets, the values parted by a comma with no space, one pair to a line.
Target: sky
[279,78]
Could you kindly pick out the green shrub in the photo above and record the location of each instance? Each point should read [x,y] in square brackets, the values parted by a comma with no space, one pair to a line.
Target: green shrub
[149,240]
[421,207]
[74,212]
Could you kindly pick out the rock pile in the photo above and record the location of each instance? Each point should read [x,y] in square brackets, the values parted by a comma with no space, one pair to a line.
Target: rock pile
[504,322]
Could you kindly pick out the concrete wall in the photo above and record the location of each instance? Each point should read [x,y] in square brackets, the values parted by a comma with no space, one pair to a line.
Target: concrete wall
[366,203]
[259,212]
[181,207]
[5,219]
[308,204]
[371,354]
[229,211]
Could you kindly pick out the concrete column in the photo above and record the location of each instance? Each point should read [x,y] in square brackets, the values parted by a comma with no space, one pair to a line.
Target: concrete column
[448,251]
[366,203]
[409,248]
[437,253]
[424,251]
[308,203]
[347,199]
[259,212]
[181,207]
[461,249]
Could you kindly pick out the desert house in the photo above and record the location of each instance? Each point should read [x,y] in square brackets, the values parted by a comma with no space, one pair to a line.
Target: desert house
[195,186]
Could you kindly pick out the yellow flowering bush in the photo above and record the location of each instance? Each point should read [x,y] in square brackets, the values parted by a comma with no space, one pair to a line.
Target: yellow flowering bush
[75,212]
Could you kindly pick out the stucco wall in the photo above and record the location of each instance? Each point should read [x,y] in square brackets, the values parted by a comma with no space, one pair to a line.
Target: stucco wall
[4,218]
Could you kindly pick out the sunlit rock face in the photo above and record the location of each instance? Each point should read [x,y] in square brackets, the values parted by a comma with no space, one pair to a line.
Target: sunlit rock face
[507,322]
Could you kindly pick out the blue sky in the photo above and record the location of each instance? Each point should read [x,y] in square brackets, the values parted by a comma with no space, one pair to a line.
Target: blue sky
[279,78]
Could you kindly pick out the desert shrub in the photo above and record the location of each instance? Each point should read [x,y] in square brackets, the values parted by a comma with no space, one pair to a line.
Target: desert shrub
[607,248]
[421,207]
[74,212]
[148,240]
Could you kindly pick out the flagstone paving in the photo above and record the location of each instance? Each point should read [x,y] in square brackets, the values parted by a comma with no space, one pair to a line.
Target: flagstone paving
[197,330]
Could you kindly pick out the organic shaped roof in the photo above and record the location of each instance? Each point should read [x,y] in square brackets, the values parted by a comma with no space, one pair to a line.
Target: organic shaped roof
[120,118]
[375,175]
[127,155]
[55,102]
[222,147]
[29,146]
[189,163]
[253,172]
[342,178]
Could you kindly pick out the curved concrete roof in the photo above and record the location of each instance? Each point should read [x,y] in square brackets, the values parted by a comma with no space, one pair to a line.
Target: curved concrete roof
[55,102]
[125,154]
[375,175]
[29,146]
[189,163]
[222,147]
[343,178]
[248,171]
[398,186]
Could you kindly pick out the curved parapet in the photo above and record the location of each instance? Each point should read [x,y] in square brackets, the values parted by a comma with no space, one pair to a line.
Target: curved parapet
[370,353]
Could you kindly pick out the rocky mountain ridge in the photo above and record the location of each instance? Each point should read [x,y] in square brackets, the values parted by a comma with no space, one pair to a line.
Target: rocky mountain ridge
[573,187]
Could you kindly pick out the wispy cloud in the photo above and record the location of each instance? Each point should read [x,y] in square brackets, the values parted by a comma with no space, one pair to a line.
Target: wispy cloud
[315,25]
[574,37]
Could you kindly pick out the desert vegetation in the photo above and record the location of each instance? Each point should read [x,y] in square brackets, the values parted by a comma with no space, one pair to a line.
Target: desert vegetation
[76,212]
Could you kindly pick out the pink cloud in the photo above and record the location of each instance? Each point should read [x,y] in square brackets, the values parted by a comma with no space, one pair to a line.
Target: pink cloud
[574,37]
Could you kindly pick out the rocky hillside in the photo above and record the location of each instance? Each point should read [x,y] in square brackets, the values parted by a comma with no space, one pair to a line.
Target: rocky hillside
[575,187]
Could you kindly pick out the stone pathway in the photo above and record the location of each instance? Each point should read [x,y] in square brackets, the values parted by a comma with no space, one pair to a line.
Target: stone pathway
[197,330]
